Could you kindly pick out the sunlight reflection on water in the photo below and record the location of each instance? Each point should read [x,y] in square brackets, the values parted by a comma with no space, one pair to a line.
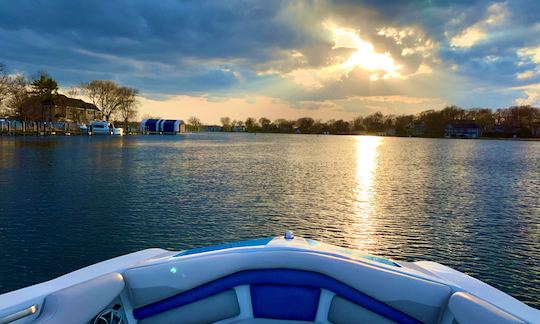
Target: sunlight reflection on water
[366,160]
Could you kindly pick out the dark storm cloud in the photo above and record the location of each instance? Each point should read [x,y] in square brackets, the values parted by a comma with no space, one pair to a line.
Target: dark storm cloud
[147,29]
[170,47]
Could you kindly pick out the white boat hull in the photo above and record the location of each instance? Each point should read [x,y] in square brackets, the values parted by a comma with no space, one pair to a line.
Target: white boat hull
[268,280]
[104,128]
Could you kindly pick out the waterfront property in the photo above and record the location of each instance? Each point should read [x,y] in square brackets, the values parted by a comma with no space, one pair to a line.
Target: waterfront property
[101,127]
[212,128]
[62,109]
[239,129]
[417,128]
[163,126]
[18,127]
[462,130]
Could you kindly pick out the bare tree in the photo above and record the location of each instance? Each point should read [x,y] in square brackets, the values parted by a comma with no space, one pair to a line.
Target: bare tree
[251,124]
[358,124]
[18,96]
[226,122]
[5,84]
[128,108]
[3,78]
[265,123]
[108,96]
[194,123]
[73,92]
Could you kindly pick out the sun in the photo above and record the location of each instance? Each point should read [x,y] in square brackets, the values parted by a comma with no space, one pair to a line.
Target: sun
[364,54]
[360,54]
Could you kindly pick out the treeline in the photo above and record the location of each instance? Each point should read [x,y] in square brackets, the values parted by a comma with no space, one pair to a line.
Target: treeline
[34,99]
[521,121]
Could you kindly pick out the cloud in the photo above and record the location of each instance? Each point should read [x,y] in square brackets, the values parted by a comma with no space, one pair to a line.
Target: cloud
[529,58]
[529,94]
[532,98]
[469,37]
[309,55]
[530,54]
[497,14]
[397,105]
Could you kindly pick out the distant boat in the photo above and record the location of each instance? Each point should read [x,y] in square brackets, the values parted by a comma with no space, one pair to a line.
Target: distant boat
[271,280]
[100,127]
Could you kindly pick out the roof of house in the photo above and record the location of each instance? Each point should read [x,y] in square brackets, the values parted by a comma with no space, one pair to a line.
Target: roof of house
[61,100]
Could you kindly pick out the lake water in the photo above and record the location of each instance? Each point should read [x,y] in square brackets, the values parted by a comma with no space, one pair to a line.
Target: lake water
[474,205]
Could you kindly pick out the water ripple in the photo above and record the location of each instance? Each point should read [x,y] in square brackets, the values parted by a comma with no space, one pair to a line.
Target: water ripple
[472,205]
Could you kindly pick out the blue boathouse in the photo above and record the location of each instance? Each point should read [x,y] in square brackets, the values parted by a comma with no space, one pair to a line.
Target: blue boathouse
[163,126]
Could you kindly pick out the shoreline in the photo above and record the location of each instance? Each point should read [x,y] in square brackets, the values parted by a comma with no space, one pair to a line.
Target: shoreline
[76,134]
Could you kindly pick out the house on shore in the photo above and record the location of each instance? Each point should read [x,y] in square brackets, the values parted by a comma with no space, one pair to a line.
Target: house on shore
[61,109]
[417,128]
[462,130]
[390,132]
[212,128]
[239,129]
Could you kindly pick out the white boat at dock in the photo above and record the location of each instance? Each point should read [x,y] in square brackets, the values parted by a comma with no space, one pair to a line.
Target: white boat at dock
[271,280]
[101,127]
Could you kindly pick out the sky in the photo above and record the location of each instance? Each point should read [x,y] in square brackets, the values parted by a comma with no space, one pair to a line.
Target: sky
[284,59]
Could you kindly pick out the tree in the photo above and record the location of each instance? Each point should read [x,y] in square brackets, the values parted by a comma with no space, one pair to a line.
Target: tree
[358,124]
[318,127]
[13,92]
[285,126]
[434,123]
[523,116]
[451,113]
[45,86]
[340,127]
[108,96]
[266,124]
[389,121]
[374,122]
[4,83]
[251,124]
[194,123]
[226,122]
[128,108]
[18,96]
[46,89]
[305,124]
[483,117]
[403,123]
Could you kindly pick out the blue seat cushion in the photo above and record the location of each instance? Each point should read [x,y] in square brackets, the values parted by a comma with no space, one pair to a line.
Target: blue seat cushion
[286,277]
[285,302]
